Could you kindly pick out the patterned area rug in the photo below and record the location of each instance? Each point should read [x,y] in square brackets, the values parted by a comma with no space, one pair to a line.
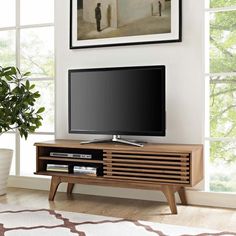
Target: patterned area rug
[16,221]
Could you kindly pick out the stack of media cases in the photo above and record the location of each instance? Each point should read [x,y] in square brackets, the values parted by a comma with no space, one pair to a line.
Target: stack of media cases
[57,168]
[74,169]
[85,170]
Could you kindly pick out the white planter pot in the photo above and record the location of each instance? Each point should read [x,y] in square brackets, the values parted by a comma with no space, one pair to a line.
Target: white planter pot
[5,165]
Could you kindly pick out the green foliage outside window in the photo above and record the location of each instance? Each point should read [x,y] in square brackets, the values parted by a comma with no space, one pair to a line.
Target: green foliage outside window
[223,97]
[7,48]
[222,3]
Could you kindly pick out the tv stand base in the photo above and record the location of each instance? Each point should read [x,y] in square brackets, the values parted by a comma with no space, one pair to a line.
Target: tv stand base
[168,190]
[168,168]
[115,138]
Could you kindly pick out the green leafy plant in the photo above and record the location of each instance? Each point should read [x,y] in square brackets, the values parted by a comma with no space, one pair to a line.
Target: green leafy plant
[17,102]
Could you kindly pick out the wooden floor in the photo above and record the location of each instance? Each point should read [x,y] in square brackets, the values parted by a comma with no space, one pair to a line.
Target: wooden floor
[195,216]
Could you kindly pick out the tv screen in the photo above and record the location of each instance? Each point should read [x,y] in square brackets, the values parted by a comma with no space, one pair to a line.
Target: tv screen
[117,101]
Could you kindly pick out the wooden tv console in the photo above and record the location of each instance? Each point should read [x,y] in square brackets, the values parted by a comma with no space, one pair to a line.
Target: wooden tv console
[165,167]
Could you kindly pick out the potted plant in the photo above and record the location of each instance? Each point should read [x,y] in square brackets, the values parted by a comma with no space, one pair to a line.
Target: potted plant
[17,112]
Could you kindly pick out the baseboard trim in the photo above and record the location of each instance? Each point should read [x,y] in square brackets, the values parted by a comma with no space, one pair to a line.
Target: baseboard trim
[194,197]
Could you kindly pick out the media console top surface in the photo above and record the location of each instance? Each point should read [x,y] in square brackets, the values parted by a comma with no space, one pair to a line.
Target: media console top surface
[67,143]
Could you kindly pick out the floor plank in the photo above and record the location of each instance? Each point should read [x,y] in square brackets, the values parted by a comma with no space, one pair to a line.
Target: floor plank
[195,216]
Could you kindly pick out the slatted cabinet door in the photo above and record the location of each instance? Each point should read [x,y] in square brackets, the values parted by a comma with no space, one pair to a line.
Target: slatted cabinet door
[169,168]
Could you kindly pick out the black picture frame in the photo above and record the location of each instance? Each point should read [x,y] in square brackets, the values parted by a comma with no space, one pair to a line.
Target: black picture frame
[93,38]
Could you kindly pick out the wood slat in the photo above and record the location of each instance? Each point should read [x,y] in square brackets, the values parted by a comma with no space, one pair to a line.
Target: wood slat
[146,175]
[180,158]
[151,166]
[174,153]
[147,170]
[147,162]
[149,179]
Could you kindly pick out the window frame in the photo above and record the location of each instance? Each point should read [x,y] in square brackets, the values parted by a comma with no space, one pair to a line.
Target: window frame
[17,28]
[207,75]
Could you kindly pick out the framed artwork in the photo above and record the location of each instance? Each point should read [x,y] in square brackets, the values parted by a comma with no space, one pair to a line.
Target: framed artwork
[100,23]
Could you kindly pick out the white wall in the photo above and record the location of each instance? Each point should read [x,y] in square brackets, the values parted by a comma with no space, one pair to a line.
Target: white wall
[184,63]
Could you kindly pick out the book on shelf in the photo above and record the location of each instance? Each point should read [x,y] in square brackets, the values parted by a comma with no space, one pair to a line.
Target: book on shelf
[57,168]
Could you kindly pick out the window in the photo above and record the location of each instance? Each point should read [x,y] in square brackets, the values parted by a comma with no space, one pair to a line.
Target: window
[221,94]
[27,41]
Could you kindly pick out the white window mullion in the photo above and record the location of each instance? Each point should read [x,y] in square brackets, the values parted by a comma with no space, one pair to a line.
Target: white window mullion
[18,33]
[207,166]
[37,25]
[221,9]
[223,74]
[207,101]
[17,137]
[43,133]
[220,139]
[41,79]
[17,154]
[7,28]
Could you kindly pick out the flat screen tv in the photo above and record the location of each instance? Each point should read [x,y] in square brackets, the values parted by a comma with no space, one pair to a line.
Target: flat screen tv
[118,101]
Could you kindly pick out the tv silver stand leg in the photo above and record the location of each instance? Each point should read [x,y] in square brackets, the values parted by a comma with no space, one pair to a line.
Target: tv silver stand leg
[96,141]
[115,138]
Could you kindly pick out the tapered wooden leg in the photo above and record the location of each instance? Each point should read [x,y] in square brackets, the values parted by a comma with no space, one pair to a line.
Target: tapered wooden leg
[55,181]
[170,196]
[70,187]
[182,195]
